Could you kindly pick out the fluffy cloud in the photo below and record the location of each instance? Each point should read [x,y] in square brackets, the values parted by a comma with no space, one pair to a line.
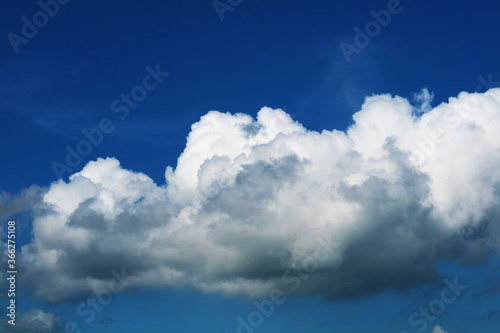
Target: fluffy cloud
[25,199]
[10,205]
[254,205]
[34,321]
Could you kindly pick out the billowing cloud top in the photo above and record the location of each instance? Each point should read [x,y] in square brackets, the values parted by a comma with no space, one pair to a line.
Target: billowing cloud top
[255,205]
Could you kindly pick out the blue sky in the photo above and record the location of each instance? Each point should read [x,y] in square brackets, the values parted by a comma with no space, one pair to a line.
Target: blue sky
[238,57]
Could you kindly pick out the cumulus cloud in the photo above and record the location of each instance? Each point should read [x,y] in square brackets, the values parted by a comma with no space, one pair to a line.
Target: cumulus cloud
[25,199]
[10,205]
[34,321]
[259,204]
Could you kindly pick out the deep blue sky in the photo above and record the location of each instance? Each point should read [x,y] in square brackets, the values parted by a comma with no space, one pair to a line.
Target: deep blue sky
[276,53]
[281,54]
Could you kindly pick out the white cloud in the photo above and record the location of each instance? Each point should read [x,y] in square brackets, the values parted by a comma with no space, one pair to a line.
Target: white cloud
[33,321]
[423,100]
[251,199]
[438,329]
